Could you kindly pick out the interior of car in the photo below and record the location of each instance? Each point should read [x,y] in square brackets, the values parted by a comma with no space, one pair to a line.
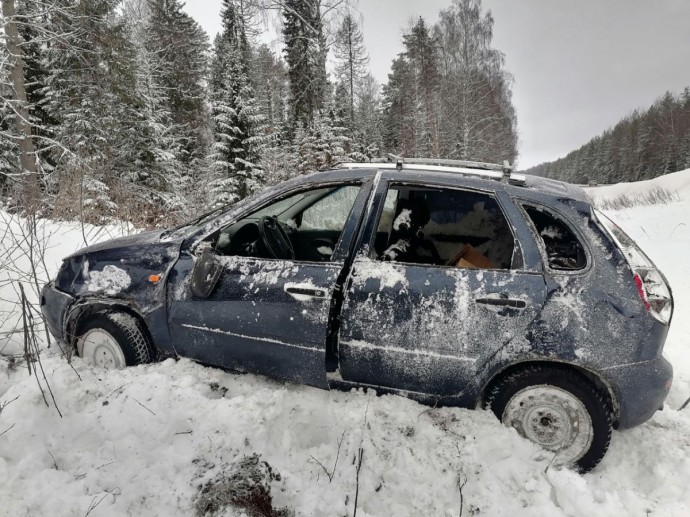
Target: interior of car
[563,250]
[305,227]
[443,227]
[418,225]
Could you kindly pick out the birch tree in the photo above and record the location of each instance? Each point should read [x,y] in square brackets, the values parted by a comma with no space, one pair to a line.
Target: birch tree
[478,119]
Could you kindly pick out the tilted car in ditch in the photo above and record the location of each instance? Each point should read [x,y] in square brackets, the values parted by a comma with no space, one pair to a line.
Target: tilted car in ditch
[461,285]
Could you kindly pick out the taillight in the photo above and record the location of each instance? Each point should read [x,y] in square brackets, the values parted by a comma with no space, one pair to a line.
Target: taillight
[654,292]
[640,290]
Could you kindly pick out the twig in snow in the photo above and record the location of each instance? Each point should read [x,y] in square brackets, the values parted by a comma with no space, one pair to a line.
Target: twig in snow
[359,467]
[55,465]
[184,432]
[551,462]
[6,430]
[684,404]
[462,481]
[360,455]
[142,405]
[118,389]
[678,225]
[3,406]
[429,410]
[83,475]
[335,464]
[32,350]
[93,506]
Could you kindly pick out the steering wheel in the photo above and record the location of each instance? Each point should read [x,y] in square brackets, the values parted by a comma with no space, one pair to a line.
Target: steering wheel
[275,239]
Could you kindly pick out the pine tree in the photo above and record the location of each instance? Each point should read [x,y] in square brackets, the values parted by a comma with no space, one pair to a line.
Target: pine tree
[351,61]
[20,115]
[641,146]
[35,77]
[305,55]
[180,46]
[420,50]
[9,152]
[369,138]
[399,108]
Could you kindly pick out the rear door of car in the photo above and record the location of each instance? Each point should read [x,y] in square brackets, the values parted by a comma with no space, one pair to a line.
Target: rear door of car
[427,328]
[265,315]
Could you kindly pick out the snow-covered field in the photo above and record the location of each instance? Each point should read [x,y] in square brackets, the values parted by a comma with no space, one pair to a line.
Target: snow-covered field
[142,440]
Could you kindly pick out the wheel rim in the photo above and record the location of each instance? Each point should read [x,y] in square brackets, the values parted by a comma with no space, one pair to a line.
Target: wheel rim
[99,348]
[553,418]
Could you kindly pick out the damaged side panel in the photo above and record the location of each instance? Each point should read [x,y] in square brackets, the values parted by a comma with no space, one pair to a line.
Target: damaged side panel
[427,329]
[264,316]
[133,278]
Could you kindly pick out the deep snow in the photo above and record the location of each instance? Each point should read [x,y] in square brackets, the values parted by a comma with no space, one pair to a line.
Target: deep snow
[137,440]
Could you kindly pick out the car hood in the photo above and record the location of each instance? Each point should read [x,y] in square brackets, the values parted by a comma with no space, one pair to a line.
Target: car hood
[130,241]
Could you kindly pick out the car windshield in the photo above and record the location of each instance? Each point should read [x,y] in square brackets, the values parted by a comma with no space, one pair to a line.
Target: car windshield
[280,207]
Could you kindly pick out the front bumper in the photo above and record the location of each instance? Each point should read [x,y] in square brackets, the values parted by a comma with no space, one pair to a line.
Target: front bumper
[54,305]
[641,389]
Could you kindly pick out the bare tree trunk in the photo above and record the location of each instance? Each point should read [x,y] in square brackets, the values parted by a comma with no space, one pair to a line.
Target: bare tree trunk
[27,156]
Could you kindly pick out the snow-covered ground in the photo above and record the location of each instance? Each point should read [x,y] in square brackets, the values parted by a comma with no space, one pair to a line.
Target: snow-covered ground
[142,440]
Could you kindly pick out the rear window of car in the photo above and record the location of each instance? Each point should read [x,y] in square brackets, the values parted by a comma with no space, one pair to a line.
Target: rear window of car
[564,251]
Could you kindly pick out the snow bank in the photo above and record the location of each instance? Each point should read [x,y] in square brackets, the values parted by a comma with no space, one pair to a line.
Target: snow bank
[142,440]
[677,182]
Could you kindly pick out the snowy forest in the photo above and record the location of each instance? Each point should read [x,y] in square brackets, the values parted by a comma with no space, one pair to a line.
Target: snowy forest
[123,109]
[642,146]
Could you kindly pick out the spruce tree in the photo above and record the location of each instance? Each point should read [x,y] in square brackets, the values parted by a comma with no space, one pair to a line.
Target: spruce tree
[236,115]
[91,93]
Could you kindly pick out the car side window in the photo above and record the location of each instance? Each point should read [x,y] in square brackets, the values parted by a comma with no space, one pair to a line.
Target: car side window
[331,211]
[563,249]
[311,220]
[443,227]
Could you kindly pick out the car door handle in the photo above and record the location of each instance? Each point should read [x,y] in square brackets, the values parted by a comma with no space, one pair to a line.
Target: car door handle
[504,302]
[299,291]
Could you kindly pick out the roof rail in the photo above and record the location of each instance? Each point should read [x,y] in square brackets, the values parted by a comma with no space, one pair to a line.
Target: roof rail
[467,168]
[513,179]
[453,163]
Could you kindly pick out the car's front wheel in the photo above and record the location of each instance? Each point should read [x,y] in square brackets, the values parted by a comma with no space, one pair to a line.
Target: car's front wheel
[114,340]
[558,410]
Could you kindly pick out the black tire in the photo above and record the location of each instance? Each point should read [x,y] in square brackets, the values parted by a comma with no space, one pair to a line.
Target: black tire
[129,333]
[537,378]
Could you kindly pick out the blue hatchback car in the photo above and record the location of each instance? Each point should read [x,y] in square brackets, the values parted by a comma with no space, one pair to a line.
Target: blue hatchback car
[451,283]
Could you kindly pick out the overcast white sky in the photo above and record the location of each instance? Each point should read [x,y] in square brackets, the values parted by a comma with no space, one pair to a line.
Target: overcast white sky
[579,66]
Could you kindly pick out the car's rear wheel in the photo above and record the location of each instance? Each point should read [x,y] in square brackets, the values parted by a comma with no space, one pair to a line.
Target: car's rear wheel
[557,409]
[113,340]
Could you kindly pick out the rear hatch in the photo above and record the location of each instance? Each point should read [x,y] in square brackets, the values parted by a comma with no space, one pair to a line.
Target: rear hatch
[652,286]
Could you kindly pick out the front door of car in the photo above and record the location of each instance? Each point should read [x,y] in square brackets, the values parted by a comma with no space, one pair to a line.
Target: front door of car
[264,314]
[440,285]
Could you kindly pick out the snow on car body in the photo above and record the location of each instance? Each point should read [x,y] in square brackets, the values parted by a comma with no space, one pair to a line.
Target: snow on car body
[446,285]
